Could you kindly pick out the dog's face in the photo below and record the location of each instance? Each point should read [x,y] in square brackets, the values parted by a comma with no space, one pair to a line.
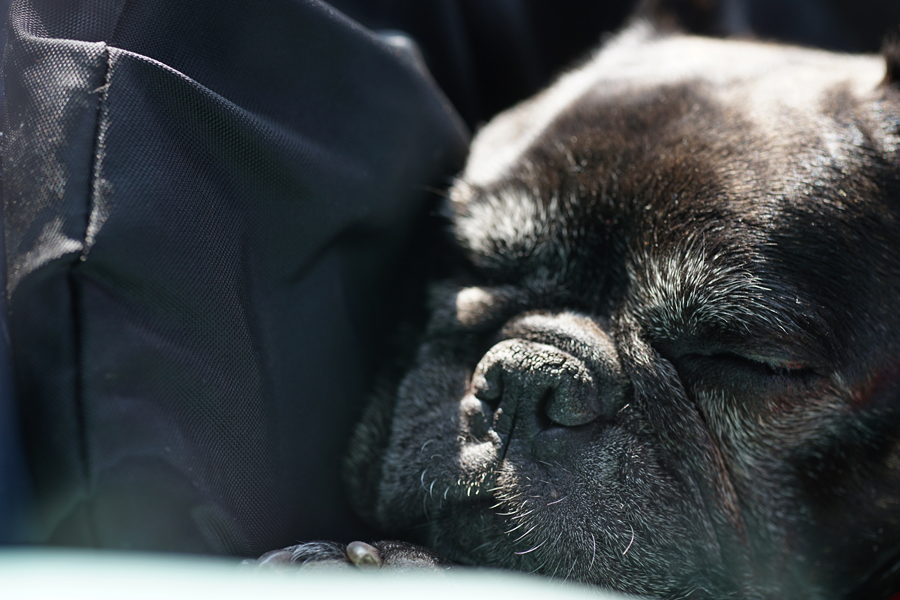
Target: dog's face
[674,366]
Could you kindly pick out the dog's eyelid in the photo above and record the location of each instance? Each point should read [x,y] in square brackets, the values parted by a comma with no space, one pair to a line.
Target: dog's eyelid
[778,364]
[779,360]
[777,351]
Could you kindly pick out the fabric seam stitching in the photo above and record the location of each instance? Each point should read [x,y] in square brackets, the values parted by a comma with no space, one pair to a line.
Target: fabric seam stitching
[78,298]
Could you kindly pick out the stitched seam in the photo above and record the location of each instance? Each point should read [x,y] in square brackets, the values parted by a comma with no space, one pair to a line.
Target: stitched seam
[95,191]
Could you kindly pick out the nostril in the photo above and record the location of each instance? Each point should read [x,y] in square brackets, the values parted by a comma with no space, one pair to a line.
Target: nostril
[487,383]
[571,410]
[573,400]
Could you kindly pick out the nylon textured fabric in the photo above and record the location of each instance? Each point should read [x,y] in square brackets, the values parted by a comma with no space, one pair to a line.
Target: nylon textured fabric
[205,204]
[196,247]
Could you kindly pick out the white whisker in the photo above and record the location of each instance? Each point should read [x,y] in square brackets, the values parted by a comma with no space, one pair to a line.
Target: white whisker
[533,549]
[629,543]
[524,534]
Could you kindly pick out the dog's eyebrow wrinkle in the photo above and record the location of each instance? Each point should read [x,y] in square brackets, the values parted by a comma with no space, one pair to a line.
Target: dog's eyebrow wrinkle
[472,302]
[509,226]
[635,56]
[687,292]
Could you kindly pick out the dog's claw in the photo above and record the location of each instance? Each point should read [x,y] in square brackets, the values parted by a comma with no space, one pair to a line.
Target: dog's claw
[364,555]
[275,558]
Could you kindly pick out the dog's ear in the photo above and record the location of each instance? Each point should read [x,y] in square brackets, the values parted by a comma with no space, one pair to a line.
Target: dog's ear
[721,18]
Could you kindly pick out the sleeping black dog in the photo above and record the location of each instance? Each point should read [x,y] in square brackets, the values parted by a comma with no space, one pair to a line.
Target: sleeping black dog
[673,367]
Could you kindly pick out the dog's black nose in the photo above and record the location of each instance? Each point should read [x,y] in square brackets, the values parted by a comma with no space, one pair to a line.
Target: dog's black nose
[573,380]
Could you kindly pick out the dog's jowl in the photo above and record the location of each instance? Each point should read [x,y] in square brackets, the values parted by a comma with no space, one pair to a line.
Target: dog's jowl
[672,366]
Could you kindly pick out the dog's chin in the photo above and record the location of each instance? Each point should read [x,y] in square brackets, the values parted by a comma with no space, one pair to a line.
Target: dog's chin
[468,533]
[534,523]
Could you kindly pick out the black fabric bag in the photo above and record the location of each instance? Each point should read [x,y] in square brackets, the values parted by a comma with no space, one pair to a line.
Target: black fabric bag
[203,204]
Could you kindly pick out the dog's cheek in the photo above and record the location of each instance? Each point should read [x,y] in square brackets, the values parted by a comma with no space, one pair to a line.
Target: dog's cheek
[773,445]
[849,482]
[363,463]
[422,450]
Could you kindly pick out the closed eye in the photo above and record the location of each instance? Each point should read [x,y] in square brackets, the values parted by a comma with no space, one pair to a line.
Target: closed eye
[760,365]
[747,380]
[774,366]
[789,368]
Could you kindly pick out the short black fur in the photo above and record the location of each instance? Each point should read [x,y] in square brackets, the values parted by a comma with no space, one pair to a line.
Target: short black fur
[671,367]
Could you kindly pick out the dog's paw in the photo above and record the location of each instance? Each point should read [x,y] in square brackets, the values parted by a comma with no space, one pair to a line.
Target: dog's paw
[387,554]
[307,554]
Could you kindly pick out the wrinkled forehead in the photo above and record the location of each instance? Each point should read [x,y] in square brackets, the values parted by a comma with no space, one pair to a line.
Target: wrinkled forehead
[659,125]
[770,88]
